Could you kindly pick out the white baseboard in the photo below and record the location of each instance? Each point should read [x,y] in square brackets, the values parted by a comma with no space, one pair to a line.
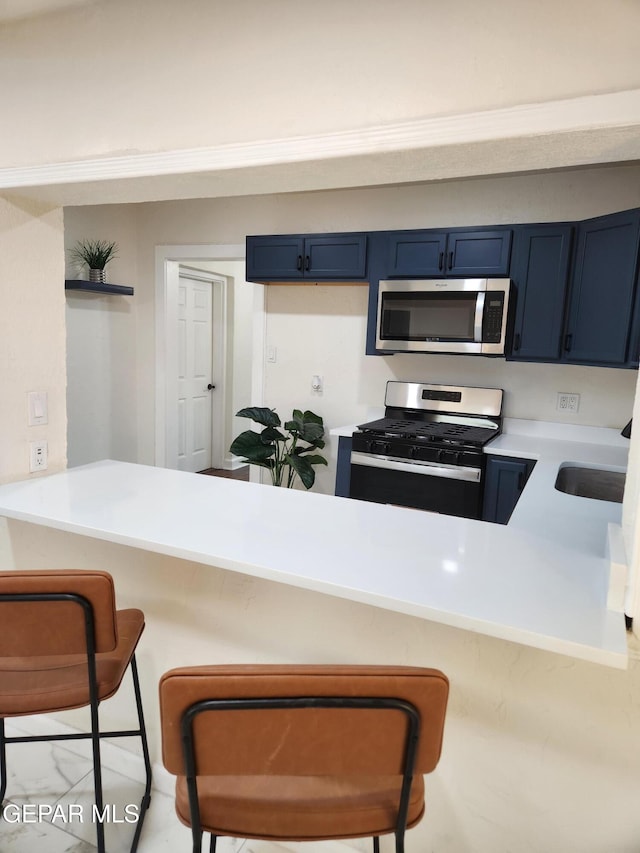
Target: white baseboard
[232,464]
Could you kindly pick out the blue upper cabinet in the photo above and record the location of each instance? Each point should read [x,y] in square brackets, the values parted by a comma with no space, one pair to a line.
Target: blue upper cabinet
[599,323]
[540,274]
[479,253]
[275,257]
[298,257]
[464,253]
[417,253]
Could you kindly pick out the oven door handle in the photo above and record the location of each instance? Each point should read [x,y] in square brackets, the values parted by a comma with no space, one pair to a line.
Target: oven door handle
[392,463]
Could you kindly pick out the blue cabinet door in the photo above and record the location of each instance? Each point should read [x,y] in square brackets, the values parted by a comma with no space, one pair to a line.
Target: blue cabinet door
[298,257]
[479,253]
[505,479]
[275,258]
[603,290]
[337,256]
[456,253]
[343,467]
[419,253]
[540,273]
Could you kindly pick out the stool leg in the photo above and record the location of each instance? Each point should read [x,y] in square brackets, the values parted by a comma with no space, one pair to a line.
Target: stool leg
[97,776]
[3,762]
[212,844]
[376,844]
[146,797]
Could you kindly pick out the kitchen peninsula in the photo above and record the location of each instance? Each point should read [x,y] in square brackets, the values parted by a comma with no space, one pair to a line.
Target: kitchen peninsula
[509,582]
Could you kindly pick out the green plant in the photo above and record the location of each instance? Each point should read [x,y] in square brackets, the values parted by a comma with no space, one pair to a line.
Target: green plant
[96,254]
[285,455]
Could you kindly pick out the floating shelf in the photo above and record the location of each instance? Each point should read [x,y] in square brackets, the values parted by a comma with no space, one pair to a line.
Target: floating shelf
[96,287]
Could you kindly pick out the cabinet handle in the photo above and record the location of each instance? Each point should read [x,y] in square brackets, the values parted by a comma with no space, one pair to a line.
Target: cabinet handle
[568,339]
[440,260]
[299,263]
[307,262]
[516,342]
[450,260]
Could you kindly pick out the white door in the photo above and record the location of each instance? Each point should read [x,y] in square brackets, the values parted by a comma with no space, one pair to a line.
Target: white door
[194,374]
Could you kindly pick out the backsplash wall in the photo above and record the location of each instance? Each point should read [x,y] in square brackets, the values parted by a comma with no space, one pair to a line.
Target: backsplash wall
[321,330]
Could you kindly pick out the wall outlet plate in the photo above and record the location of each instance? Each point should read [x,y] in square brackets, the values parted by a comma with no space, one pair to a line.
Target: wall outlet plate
[38,456]
[566,402]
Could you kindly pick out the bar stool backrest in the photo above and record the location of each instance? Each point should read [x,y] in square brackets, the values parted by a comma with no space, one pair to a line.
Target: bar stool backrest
[57,627]
[308,741]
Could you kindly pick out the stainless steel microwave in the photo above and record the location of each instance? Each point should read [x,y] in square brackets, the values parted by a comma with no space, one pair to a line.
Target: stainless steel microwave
[454,315]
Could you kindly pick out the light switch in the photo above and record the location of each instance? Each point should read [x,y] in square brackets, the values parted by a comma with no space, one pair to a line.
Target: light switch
[38,408]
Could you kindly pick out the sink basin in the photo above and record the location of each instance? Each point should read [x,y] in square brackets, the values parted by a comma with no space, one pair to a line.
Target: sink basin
[595,483]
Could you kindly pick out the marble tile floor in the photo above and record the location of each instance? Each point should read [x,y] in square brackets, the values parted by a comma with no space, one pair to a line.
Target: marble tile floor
[51,775]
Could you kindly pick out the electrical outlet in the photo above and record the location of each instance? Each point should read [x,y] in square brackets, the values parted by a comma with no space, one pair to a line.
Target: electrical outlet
[38,456]
[569,403]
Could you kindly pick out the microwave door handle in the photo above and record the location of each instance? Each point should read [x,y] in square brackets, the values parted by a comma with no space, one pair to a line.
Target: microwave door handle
[477,326]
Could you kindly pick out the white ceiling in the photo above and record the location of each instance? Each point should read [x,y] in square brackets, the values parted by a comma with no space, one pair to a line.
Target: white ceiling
[11,10]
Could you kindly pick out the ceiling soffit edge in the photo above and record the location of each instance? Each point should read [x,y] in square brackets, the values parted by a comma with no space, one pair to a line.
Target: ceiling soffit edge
[593,112]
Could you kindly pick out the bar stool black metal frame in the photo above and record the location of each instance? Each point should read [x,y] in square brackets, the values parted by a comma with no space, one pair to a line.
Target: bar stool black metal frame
[95,735]
[409,757]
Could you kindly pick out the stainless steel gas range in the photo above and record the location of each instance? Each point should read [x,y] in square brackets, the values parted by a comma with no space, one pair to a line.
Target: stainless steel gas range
[426,452]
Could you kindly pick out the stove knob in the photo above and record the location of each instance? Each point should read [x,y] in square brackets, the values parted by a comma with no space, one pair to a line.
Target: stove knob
[441,455]
[380,447]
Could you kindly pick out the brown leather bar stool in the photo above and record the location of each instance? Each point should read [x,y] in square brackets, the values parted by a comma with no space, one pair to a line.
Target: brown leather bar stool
[301,753]
[64,645]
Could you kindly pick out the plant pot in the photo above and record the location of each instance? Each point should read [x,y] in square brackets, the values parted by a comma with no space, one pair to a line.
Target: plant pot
[97,276]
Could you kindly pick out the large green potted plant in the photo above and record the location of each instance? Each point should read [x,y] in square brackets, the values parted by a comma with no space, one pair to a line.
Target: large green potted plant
[96,254]
[286,455]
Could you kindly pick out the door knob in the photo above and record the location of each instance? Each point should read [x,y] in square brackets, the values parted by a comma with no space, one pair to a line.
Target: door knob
[210,387]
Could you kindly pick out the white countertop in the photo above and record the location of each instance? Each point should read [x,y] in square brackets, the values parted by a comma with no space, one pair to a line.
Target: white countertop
[570,521]
[527,582]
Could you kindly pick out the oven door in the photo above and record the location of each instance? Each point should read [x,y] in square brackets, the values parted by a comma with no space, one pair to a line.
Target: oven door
[447,489]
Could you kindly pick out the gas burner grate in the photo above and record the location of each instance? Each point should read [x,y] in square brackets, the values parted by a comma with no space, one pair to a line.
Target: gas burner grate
[430,431]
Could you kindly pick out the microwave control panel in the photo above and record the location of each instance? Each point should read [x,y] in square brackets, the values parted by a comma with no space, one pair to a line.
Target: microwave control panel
[492,318]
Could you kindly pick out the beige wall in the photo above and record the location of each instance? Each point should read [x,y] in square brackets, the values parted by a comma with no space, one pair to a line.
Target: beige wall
[32,341]
[101,346]
[390,62]
[321,330]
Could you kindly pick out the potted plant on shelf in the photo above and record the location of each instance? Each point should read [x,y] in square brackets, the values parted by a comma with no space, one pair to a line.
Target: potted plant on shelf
[287,455]
[96,254]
